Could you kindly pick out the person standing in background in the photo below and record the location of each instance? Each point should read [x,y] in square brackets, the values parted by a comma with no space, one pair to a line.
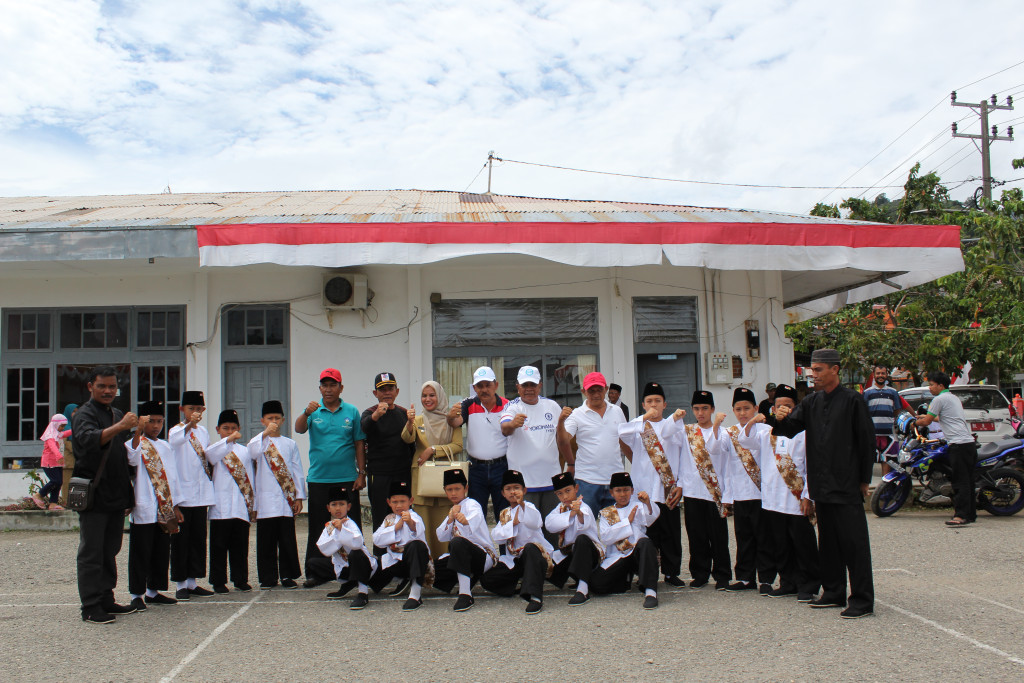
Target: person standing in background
[615,398]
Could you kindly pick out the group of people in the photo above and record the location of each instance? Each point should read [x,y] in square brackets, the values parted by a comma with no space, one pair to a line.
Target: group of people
[563,504]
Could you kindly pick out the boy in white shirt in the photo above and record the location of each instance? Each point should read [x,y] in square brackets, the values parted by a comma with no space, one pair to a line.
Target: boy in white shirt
[627,550]
[579,550]
[233,510]
[402,535]
[280,490]
[470,550]
[527,555]
[156,488]
[342,541]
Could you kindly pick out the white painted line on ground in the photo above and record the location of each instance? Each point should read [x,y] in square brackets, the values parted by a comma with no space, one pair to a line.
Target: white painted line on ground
[209,639]
[991,602]
[952,632]
[897,569]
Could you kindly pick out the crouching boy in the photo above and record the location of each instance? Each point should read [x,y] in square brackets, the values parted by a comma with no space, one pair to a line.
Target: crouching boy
[342,541]
[579,550]
[470,550]
[403,537]
[623,530]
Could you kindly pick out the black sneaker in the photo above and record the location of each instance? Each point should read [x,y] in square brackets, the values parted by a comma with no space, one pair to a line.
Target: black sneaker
[675,581]
[268,586]
[651,602]
[412,604]
[856,613]
[200,592]
[97,616]
[721,585]
[534,607]
[243,588]
[578,599]
[824,603]
[402,588]
[342,591]
[160,599]
[138,604]
[182,595]
[220,588]
[119,610]
[289,583]
[313,583]
[463,603]
[739,586]
[804,597]
[698,583]
[765,589]
[360,601]
[783,592]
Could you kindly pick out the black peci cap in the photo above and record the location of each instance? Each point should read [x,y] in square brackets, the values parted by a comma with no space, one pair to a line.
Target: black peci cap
[702,398]
[653,389]
[272,408]
[563,479]
[743,394]
[620,479]
[454,476]
[193,398]
[513,477]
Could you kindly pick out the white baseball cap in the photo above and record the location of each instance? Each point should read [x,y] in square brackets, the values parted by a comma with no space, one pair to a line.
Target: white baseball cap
[484,374]
[528,373]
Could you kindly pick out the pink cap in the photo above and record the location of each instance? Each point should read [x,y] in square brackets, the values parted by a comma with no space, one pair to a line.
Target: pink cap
[594,379]
[331,373]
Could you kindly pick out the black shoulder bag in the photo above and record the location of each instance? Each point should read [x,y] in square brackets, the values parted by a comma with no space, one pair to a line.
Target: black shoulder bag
[82,491]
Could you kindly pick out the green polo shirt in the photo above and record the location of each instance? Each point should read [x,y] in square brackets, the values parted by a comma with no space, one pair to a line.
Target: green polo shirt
[332,444]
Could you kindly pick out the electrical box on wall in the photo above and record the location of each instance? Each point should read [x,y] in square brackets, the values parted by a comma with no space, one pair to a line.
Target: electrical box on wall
[719,368]
[753,340]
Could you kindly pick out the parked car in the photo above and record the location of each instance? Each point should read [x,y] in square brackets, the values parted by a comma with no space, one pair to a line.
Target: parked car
[987,410]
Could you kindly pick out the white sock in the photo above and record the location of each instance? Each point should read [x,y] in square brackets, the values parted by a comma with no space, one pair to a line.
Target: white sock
[415,590]
[192,584]
[182,585]
[536,598]
[464,585]
[136,597]
[150,593]
[363,588]
[650,593]
[583,588]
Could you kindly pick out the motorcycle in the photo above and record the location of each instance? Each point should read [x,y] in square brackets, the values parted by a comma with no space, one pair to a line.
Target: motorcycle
[1000,489]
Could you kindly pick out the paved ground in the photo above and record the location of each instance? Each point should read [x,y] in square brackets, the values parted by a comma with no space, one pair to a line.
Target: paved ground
[950,605]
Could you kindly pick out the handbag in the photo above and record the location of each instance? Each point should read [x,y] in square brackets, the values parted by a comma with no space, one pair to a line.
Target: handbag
[82,491]
[430,481]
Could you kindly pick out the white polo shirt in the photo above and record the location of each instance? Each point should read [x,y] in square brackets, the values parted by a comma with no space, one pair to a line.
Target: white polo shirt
[597,437]
[531,448]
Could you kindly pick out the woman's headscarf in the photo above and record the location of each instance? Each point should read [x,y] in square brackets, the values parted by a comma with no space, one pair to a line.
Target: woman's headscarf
[53,430]
[435,422]
[68,410]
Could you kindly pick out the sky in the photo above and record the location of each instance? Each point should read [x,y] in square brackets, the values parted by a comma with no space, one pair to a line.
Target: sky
[121,97]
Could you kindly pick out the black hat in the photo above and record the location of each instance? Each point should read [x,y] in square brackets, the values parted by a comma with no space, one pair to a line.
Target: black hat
[620,479]
[512,477]
[193,398]
[337,492]
[272,407]
[560,481]
[743,394]
[399,488]
[150,408]
[702,398]
[652,389]
[826,356]
[384,379]
[454,476]
[614,387]
[227,416]
[786,391]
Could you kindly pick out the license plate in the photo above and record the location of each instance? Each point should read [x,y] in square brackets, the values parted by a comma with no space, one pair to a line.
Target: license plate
[983,426]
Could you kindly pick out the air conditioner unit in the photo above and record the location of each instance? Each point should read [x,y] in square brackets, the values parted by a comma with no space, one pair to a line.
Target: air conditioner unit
[345,292]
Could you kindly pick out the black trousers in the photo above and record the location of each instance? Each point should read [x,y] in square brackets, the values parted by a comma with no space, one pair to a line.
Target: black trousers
[708,535]
[844,546]
[795,548]
[530,566]
[377,487]
[667,535]
[464,557]
[643,562]
[99,542]
[962,456]
[188,546]
[318,516]
[582,558]
[413,565]
[276,550]
[753,550]
[358,569]
[229,541]
[149,556]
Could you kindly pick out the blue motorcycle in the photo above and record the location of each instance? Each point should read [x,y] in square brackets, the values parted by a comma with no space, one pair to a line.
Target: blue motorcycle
[1000,489]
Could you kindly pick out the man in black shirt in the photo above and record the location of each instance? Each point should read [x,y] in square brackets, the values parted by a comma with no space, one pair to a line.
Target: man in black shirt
[99,428]
[840,458]
[388,457]
[765,406]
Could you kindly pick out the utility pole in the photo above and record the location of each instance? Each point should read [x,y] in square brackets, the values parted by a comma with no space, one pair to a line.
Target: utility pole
[490,165]
[983,108]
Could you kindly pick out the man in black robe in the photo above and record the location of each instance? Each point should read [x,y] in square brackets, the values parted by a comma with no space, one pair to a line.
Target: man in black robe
[840,458]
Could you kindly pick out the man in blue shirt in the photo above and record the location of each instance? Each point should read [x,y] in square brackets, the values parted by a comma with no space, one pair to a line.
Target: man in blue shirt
[336,458]
[884,403]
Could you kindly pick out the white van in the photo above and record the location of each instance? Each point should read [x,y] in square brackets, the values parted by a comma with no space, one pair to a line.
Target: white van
[986,408]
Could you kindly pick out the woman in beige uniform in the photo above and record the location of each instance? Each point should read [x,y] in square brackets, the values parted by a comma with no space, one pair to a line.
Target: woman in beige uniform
[433,438]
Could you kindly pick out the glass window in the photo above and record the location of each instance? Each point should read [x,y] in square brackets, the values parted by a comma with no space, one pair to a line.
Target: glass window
[563,375]
[256,327]
[515,322]
[158,329]
[28,331]
[665,319]
[27,403]
[73,384]
[94,330]
[161,383]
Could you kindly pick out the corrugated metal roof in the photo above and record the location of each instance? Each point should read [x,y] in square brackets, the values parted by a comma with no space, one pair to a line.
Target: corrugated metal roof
[360,206]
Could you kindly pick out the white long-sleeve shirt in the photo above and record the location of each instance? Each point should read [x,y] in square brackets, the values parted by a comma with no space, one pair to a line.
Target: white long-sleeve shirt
[612,533]
[689,478]
[228,501]
[561,520]
[737,484]
[270,498]
[196,487]
[515,535]
[775,493]
[386,537]
[645,477]
[144,511]
[475,530]
[338,543]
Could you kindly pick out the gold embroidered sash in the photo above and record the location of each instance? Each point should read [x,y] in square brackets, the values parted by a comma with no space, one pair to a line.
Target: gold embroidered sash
[241,477]
[702,460]
[428,574]
[789,473]
[656,453]
[489,549]
[611,515]
[506,517]
[161,487]
[280,470]
[198,448]
[746,457]
[561,534]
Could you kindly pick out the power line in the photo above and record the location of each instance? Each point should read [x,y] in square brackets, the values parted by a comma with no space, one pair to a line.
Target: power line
[985,78]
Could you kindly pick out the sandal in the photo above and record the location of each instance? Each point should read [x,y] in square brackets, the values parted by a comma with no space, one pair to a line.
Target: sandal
[957,522]
[40,503]
[54,506]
